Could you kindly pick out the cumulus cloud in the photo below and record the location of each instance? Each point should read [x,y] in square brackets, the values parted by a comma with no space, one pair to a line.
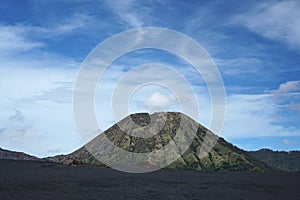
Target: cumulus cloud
[286,95]
[158,99]
[16,127]
[278,21]
[288,87]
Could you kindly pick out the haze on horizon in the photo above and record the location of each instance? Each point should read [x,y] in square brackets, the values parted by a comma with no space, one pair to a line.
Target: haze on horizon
[255,45]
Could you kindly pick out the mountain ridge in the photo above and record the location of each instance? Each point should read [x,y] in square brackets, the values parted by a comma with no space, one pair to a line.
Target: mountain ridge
[283,160]
[15,155]
[223,157]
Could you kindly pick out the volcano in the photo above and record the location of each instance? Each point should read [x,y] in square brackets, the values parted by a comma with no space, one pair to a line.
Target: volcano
[143,133]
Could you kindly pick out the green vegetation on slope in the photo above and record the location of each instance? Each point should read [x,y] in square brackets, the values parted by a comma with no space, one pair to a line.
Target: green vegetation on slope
[286,161]
[223,157]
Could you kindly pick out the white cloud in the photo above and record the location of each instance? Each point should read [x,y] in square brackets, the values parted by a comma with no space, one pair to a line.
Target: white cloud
[239,66]
[16,38]
[288,87]
[15,130]
[17,127]
[12,39]
[278,21]
[40,126]
[250,116]
[158,99]
[39,86]
[127,12]
[67,25]
[77,21]
[18,80]
[287,95]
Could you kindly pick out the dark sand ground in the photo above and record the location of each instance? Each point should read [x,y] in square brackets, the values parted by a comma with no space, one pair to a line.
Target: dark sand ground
[43,180]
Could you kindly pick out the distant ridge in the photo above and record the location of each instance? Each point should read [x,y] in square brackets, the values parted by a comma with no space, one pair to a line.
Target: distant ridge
[14,155]
[223,157]
[286,161]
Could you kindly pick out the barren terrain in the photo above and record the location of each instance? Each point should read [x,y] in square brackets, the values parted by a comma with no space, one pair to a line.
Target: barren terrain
[46,180]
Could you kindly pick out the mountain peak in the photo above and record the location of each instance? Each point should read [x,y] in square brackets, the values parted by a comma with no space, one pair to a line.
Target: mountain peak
[159,129]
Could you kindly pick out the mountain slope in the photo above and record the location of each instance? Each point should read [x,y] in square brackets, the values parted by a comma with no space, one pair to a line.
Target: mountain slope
[223,157]
[286,161]
[13,155]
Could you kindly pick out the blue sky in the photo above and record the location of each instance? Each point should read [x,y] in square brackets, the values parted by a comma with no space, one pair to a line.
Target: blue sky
[255,44]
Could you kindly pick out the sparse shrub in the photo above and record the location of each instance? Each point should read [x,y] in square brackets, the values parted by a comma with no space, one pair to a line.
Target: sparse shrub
[256,169]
